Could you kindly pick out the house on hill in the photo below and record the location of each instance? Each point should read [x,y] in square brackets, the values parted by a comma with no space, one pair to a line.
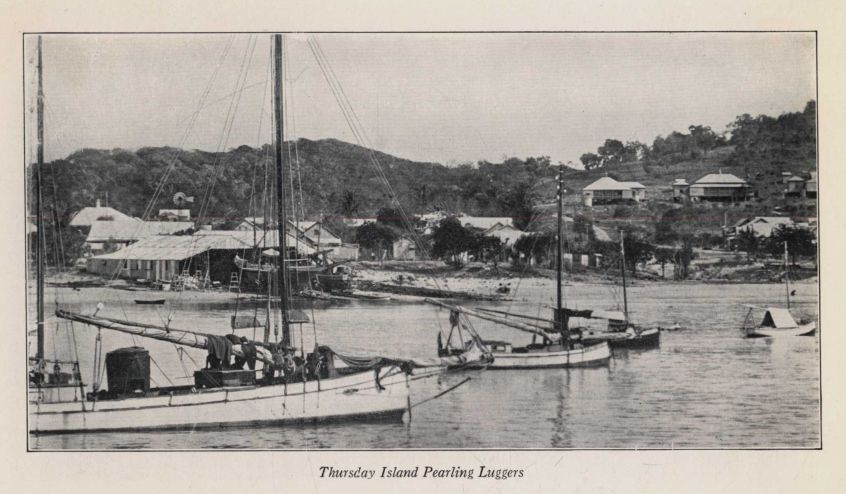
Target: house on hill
[87,216]
[606,190]
[795,187]
[811,186]
[720,187]
[681,190]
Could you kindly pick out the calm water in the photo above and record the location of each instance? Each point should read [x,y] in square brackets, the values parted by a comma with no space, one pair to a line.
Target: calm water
[706,387]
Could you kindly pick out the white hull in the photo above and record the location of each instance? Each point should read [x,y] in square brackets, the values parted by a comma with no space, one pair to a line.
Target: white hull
[594,355]
[354,396]
[801,330]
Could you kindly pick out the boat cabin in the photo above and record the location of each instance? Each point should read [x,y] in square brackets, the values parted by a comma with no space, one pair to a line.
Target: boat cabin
[778,318]
[497,346]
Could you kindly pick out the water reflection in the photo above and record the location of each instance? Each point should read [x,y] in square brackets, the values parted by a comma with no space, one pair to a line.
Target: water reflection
[705,387]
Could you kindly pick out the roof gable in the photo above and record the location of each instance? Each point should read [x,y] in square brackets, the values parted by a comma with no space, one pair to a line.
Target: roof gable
[89,215]
[608,183]
[720,179]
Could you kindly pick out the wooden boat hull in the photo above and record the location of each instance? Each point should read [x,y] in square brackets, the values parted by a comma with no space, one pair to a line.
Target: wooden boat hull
[800,330]
[648,338]
[351,397]
[589,356]
[158,301]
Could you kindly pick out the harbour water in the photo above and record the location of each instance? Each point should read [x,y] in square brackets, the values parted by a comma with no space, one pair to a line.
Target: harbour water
[705,387]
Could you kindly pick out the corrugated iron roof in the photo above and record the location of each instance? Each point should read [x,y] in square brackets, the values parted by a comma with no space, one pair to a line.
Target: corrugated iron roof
[174,247]
[720,179]
[264,239]
[88,216]
[130,229]
[608,183]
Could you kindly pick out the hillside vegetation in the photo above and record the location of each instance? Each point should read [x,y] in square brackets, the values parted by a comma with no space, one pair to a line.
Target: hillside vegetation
[340,179]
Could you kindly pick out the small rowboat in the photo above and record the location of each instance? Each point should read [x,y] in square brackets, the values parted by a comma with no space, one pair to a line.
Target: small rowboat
[154,301]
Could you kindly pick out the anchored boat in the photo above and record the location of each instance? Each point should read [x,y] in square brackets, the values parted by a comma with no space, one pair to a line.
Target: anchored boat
[556,348]
[777,321]
[290,385]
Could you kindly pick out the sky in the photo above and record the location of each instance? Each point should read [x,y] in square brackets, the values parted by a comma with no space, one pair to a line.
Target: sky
[447,98]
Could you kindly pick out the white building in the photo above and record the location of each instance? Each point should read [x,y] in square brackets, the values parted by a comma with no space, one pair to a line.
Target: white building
[762,226]
[606,190]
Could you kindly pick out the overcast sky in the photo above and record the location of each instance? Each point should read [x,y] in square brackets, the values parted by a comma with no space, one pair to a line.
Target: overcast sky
[431,97]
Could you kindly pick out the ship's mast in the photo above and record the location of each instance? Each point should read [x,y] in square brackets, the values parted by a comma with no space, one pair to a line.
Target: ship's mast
[786,277]
[281,217]
[39,223]
[623,271]
[559,315]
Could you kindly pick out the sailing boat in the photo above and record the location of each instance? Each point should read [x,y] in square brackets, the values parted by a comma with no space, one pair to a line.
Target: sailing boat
[556,349]
[778,321]
[294,386]
[620,333]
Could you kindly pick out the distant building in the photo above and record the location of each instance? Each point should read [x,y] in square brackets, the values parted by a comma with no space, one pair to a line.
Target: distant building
[166,257]
[319,235]
[761,226]
[405,249]
[811,186]
[357,222]
[795,187]
[681,190]
[606,190]
[507,234]
[175,214]
[484,222]
[720,187]
[89,215]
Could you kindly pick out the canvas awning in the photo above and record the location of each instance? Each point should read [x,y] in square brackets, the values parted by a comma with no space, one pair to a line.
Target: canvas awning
[778,318]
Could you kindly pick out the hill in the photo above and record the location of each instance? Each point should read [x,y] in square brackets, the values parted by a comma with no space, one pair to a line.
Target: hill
[340,179]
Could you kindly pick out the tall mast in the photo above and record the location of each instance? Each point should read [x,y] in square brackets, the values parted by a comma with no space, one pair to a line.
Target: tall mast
[281,221]
[786,276]
[559,316]
[39,223]
[623,270]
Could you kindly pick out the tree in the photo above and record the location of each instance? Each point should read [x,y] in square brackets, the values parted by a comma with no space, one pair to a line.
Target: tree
[638,251]
[683,256]
[450,240]
[536,246]
[583,227]
[590,161]
[486,247]
[349,204]
[663,255]
[392,217]
[800,242]
[611,152]
[748,242]
[519,203]
[376,236]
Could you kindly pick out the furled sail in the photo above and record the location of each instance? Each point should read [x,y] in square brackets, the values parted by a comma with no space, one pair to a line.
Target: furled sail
[172,335]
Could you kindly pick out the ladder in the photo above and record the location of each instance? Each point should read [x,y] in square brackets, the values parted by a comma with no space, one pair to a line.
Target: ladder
[234,282]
